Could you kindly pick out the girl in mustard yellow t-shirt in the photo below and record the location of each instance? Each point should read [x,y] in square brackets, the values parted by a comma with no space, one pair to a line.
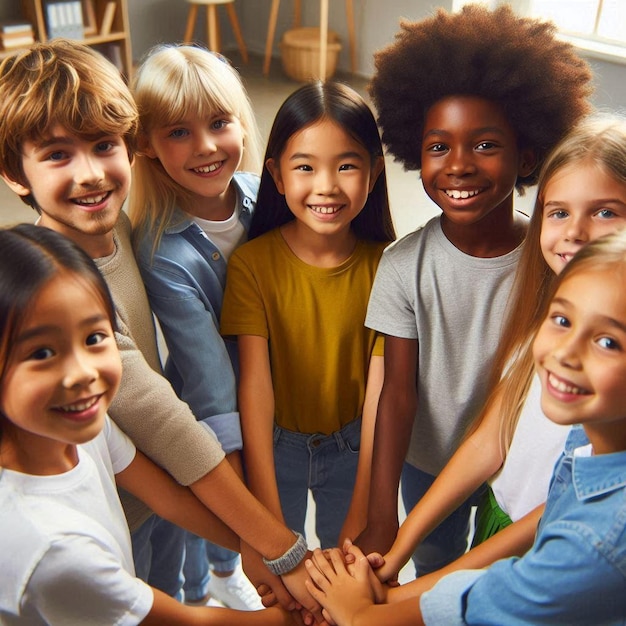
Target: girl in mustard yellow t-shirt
[296,297]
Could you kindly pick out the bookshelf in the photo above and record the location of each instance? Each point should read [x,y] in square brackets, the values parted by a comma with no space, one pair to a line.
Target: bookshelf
[105,28]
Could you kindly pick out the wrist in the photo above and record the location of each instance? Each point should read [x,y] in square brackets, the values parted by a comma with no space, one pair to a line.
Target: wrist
[290,559]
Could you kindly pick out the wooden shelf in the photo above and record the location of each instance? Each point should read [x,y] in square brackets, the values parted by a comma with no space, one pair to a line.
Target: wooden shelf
[114,44]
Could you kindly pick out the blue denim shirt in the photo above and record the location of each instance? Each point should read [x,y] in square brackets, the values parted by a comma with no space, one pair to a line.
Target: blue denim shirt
[574,574]
[185,280]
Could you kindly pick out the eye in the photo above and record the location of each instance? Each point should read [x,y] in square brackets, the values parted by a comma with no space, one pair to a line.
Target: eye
[608,343]
[41,354]
[560,320]
[96,338]
[57,155]
[485,145]
[437,147]
[219,124]
[304,168]
[606,214]
[347,166]
[178,133]
[104,146]
[558,214]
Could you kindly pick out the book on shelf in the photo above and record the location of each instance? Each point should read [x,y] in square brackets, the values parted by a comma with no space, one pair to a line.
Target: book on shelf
[14,27]
[16,41]
[64,18]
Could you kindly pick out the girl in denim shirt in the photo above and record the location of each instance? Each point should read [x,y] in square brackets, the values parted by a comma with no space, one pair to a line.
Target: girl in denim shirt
[191,206]
[575,573]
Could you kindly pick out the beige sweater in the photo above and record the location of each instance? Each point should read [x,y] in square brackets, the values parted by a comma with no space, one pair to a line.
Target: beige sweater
[146,408]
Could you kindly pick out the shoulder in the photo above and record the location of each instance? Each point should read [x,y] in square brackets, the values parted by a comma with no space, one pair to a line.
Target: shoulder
[411,245]
[247,183]
[258,249]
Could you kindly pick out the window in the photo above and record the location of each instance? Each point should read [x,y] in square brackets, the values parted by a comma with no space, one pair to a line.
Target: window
[597,27]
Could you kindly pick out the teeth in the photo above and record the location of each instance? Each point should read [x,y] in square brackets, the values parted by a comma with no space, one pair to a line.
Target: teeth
[208,168]
[563,387]
[92,199]
[79,406]
[458,194]
[325,210]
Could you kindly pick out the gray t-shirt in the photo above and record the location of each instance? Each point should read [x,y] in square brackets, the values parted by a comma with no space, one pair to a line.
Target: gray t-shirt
[454,305]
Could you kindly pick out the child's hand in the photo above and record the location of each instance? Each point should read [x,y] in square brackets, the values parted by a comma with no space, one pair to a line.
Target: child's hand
[352,554]
[342,594]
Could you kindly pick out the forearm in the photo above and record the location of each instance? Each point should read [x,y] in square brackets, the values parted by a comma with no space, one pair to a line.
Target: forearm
[477,459]
[394,423]
[225,494]
[167,611]
[399,614]
[256,407]
[514,540]
[174,502]
[356,519]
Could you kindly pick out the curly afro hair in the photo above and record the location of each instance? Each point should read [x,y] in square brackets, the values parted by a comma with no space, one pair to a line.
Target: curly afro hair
[542,85]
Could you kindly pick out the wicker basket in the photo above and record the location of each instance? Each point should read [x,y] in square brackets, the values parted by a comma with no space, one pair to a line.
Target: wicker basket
[300,53]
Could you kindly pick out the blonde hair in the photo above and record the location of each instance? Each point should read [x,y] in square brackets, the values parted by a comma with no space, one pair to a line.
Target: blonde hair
[66,83]
[600,140]
[174,81]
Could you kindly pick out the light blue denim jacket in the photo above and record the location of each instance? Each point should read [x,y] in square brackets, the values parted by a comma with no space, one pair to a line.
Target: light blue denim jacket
[185,280]
[574,574]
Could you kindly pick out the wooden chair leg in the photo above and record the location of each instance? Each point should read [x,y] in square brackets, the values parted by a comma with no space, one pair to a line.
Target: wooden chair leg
[351,34]
[271,30]
[232,15]
[191,21]
[323,37]
[212,28]
[297,13]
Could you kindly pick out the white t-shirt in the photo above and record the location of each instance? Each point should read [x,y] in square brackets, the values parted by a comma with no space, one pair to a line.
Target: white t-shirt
[227,234]
[522,483]
[65,546]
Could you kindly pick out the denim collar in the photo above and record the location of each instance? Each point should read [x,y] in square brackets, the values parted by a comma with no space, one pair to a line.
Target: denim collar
[598,475]
[181,221]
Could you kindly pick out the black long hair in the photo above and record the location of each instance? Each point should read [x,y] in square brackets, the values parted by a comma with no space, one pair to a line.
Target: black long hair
[307,105]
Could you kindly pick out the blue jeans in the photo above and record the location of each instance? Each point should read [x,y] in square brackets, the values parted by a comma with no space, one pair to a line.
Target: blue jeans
[325,465]
[158,552]
[199,553]
[449,540]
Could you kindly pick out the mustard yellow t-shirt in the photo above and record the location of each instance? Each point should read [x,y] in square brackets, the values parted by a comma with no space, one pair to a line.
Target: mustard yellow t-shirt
[314,320]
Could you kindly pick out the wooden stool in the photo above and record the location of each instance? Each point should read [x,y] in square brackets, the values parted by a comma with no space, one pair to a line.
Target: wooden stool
[271,30]
[213,31]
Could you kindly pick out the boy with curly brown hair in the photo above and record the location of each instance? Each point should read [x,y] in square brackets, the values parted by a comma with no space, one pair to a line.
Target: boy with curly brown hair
[474,100]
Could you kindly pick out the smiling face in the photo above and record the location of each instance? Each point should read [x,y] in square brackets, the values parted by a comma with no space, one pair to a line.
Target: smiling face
[201,155]
[581,202]
[470,159]
[580,355]
[80,185]
[63,370]
[325,176]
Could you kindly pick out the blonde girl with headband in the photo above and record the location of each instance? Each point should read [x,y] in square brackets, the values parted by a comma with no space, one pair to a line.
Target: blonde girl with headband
[192,200]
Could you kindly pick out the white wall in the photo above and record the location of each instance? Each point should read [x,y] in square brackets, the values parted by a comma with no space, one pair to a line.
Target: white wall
[376,21]
[154,21]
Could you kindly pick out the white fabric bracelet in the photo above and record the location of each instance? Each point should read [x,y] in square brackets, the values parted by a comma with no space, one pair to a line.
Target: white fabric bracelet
[290,560]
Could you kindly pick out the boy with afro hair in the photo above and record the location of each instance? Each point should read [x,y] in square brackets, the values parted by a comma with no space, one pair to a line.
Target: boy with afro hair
[475,100]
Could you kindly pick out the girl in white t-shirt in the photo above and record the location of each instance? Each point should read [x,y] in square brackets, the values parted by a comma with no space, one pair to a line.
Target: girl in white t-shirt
[66,556]
[581,196]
